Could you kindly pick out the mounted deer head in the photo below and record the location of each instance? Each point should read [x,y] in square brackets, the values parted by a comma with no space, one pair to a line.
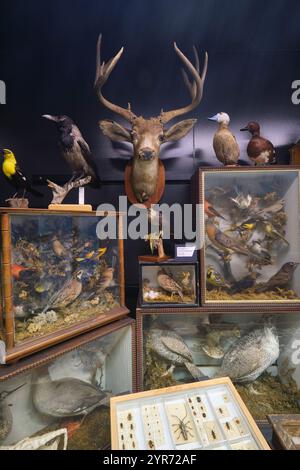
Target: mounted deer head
[147,135]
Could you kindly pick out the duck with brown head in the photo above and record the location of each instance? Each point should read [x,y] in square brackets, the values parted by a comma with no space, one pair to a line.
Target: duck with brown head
[260,150]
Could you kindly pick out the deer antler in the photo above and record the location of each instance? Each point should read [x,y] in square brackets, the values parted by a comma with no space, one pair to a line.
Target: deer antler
[195,88]
[103,72]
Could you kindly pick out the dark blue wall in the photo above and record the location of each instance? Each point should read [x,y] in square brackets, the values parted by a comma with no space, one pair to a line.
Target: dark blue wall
[47,59]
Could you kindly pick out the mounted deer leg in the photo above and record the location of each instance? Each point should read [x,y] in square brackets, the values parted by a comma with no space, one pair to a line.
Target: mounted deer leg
[147,135]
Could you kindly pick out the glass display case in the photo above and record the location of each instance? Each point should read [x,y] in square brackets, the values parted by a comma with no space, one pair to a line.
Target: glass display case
[260,352]
[251,235]
[169,283]
[60,398]
[58,277]
[207,415]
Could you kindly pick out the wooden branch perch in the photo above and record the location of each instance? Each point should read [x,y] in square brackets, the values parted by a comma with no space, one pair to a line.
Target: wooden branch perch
[60,192]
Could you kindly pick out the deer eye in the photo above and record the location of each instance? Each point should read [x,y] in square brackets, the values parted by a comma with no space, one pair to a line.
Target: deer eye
[161,137]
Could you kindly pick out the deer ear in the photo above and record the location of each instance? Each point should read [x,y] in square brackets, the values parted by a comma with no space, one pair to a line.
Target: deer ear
[115,131]
[179,130]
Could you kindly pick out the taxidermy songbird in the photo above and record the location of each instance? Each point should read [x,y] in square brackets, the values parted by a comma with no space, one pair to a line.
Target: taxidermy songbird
[14,175]
[225,145]
[281,279]
[75,149]
[210,211]
[260,150]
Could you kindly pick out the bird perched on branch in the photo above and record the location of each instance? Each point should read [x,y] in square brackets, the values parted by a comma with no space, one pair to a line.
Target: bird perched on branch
[281,279]
[14,175]
[75,149]
[260,150]
[215,279]
[224,243]
[210,211]
[225,145]
[69,292]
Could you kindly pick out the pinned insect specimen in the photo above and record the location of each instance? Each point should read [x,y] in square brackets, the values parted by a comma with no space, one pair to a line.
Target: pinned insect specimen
[183,427]
[213,435]
[150,444]
[129,417]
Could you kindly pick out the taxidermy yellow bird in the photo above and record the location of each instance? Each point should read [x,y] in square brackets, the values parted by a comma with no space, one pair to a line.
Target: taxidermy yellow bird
[225,145]
[14,175]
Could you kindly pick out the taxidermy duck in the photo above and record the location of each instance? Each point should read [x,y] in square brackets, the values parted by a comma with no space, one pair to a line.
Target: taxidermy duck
[225,145]
[260,150]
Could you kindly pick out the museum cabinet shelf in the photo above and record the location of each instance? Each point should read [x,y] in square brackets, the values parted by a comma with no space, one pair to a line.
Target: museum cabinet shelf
[59,398]
[59,279]
[249,224]
[258,349]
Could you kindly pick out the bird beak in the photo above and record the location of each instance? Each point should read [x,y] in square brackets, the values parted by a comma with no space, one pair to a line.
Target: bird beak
[213,118]
[244,129]
[51,118]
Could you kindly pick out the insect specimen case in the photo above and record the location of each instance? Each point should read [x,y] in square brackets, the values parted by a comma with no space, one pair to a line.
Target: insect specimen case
[58,278]
[251,235]
[259,352]
[207,415]
[168,283]
[59,398]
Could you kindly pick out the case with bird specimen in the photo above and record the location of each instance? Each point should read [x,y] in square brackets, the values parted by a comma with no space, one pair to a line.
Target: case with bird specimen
[251,234]
[60,277]
[59,398]
[207,415]
[260,352]
[169,283]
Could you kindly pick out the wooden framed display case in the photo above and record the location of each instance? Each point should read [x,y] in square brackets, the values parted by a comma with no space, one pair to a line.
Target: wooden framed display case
[249,224]
[59,279]
[258,350]
[170,283]
[286,431]
[59,398]
[207,415]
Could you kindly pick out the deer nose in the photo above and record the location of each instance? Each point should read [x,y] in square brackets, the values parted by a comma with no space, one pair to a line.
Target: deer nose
[146,153]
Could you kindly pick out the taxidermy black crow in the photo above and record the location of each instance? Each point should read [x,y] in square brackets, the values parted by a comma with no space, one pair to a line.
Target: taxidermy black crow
[75,149]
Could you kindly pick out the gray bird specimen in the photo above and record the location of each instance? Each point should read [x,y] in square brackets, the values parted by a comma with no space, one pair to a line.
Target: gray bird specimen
[251,355]
[171,347]
[6,417]
[225,144]
[75,149]
[65,397]
[168,284]
[281,279]
[69,292]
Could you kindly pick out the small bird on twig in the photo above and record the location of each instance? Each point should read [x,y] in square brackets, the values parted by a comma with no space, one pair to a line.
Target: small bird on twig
[210,211]
[14,175]
[69,292]
[281,279]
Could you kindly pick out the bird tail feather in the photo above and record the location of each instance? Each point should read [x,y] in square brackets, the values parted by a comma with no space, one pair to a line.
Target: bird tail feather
[194,370]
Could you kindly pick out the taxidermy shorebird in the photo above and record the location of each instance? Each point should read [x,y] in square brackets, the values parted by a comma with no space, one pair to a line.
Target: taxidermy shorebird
[168,284]
[171,347]
[66,397]
[75,149]
[260,150]
[225,145]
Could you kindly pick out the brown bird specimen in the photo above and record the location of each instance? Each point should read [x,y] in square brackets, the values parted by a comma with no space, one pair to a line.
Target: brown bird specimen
[225,145]
[58,247]
[260,150]
[168,284]
[281,279]
[69,292]
[224,243]
[210,211]
[107,278]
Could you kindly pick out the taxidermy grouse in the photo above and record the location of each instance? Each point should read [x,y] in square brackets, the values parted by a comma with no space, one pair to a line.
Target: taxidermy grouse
[75,149]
